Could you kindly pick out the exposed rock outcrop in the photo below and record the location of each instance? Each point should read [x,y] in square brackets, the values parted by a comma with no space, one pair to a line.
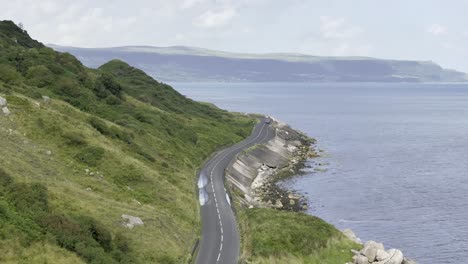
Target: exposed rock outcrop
[3,105]
[375,253]
[131,221]
[3,102]
[6,111]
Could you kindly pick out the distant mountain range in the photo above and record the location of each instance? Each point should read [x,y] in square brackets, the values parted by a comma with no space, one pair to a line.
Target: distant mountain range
[188,64]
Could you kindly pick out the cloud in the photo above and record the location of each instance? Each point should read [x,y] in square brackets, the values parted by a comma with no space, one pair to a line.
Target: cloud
[436,29]
[337,28]
[191,3]
[215,18]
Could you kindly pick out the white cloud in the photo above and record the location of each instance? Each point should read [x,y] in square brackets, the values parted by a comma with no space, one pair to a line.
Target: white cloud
[191,3]
[215,18]
[436,29]
[337,28]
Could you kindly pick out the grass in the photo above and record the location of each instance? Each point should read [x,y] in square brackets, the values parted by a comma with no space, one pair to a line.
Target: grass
[110,141]
[114,141]
[273,236]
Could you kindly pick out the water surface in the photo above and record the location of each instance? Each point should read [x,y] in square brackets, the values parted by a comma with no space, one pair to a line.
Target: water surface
[395,160]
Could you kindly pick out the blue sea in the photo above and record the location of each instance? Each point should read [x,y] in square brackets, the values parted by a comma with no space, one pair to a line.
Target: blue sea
[394,166]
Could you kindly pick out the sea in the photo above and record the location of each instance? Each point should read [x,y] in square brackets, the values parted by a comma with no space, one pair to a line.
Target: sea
[394,157]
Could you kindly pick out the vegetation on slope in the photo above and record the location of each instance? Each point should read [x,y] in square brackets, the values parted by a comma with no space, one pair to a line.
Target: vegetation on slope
[274,236]
[110,141]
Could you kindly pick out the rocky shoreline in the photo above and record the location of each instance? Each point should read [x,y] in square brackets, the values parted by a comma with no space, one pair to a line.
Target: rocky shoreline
[375,253]
[254,176]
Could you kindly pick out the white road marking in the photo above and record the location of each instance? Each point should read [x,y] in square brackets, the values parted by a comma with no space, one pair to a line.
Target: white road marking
[227,198]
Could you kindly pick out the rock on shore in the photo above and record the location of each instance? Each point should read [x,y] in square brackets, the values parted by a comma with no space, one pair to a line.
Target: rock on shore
[374,252]
[254,173]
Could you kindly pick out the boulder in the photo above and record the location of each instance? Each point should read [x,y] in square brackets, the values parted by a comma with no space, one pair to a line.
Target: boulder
[360,259]
[370,250]
[395,257]
[6,111]
[381,255]
[408,261]
[131,221]
[46,98]
[278,204]
[3,101]
[352,236]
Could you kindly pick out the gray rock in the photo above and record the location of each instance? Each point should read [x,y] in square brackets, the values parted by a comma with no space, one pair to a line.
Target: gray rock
[6,111]
[395,257]
[360,259]
[3,101]
[409,261]
[370,250]
[46,98]
[131,221]
[381,255]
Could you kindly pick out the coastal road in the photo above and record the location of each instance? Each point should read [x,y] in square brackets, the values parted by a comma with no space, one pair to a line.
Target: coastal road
[220,241]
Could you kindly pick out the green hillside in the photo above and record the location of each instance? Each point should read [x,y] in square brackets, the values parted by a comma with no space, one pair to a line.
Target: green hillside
[108,142]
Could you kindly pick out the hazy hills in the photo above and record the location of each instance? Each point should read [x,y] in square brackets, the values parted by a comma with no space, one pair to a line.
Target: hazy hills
[182,64]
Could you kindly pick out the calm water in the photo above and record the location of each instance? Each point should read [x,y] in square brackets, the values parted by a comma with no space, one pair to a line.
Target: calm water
[396,157]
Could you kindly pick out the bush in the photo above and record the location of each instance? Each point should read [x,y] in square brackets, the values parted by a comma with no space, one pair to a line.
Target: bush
[113,131]
[74,139]
[98,232]
[68,87]
[90,155]
[87,237]
[100,126]
[9,74]
[107,85]
[29,198]
[39,76]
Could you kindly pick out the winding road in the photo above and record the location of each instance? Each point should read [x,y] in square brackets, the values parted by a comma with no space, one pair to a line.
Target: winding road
[220,241]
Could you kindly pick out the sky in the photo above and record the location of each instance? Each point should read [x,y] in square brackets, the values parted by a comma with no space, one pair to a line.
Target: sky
[434,30]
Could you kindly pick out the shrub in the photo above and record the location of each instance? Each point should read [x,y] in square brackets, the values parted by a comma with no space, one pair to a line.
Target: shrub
[90,155]
[100,126]
[113,131]
[68,87]
[5,179]
[39,76]
[87,237]
[107,85]
[9,74]
[74,139]
[29,198]
[98,232]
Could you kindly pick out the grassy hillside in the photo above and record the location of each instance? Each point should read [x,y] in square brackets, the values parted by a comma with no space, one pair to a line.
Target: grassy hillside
[110,141]
[273,236]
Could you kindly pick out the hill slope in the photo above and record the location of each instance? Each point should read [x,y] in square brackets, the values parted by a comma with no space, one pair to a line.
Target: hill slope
[81,147]
[195,64]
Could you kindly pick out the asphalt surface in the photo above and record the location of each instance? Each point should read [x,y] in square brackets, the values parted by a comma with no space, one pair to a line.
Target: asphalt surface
[220,241]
